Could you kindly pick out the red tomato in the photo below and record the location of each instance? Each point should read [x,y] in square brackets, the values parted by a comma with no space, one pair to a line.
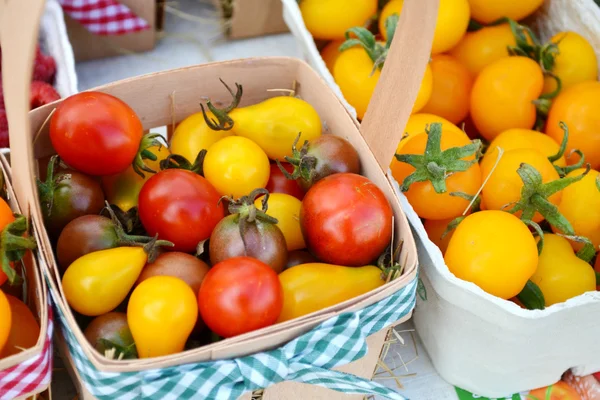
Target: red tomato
[346,220]
[240,295]
[278,183]
[96,133]
[181,207]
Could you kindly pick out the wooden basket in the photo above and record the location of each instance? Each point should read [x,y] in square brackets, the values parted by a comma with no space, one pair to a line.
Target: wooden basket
[151,98]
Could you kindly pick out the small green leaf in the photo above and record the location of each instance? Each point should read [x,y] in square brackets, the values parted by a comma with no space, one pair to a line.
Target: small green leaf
[532,297]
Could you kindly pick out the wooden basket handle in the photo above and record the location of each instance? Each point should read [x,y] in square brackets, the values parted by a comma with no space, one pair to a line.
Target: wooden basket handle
[400,80]
[19,24]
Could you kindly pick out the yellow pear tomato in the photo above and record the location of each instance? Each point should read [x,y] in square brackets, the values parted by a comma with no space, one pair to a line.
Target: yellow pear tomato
[192,135]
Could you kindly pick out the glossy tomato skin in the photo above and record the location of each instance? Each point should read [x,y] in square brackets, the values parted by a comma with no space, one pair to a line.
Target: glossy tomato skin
[6,320]
[278,183]
[346,220]
[503,94]
[24,331]
[181,207]
[240,295]
[330,19]
[486,11]
[96,133]
[113,327]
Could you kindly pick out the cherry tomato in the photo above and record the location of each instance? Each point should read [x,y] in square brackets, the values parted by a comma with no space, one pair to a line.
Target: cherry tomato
[579,108]
[346,220]
[330,53]
[123,189]
[286,209]
[330,19]
[240,295]
[161,314]
[422,196]
[96,133]
[435,230]
[503,95]
[451,25]
[575,62]
[24,328]
[278,183]
[486,11]
[481,48]
[181,207]
[451,91]
[235,166]
[111,331]
[504,185]
[559,391]
[5,320]
[495,250]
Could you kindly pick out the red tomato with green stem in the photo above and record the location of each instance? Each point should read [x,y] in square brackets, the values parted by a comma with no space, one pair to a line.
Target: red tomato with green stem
[278,183]
[346,220]
[181,207]
[240,295]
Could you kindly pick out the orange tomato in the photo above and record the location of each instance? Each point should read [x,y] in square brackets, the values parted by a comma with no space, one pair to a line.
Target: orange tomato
[579,108]
[503,95]
[24,330]
[5,320]
[559,391]
[422,196]
[451,94]
[435,230]
[330,53]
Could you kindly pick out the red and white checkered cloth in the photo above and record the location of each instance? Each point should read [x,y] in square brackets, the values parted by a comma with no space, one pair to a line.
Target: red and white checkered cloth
[31,375]
[104,17]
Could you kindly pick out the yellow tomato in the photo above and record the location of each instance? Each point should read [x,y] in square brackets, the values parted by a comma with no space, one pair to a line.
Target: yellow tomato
[486,11]
[330,19]
[560,274]
[503,94]
[352,73]
[575,62]
[5,320]
[504,185]
[331,52]
[480,48]
[98,282]
[123,189]
[161,314]
[422,196]
[521,139]
[312,287]
[495,250]
[236,166]
[451,25]
[192,135]
[286,209]
[435,230]
[274,124]
[580,205]
[579,108]
[451,92]
[425,90]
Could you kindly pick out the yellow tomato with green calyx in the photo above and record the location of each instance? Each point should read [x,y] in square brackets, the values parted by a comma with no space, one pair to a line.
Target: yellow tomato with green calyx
[560,274]
[123,189]
[495,250]
[512,139]
[312,287]
[192,135]
[451,25]
[161,315]
[286,209]
[236,166]
[575,62]
[330,19]
[98,282]
[487,11]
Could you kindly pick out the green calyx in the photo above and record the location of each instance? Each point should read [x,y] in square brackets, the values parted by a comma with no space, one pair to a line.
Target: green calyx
[125,239]
[176,161]
[563,171]
[13,245]
[364,38]
[116,351]
[436,165]
[224,121]
[304,164]
[389,262]
[246,210]
[149,140]
[48,188]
